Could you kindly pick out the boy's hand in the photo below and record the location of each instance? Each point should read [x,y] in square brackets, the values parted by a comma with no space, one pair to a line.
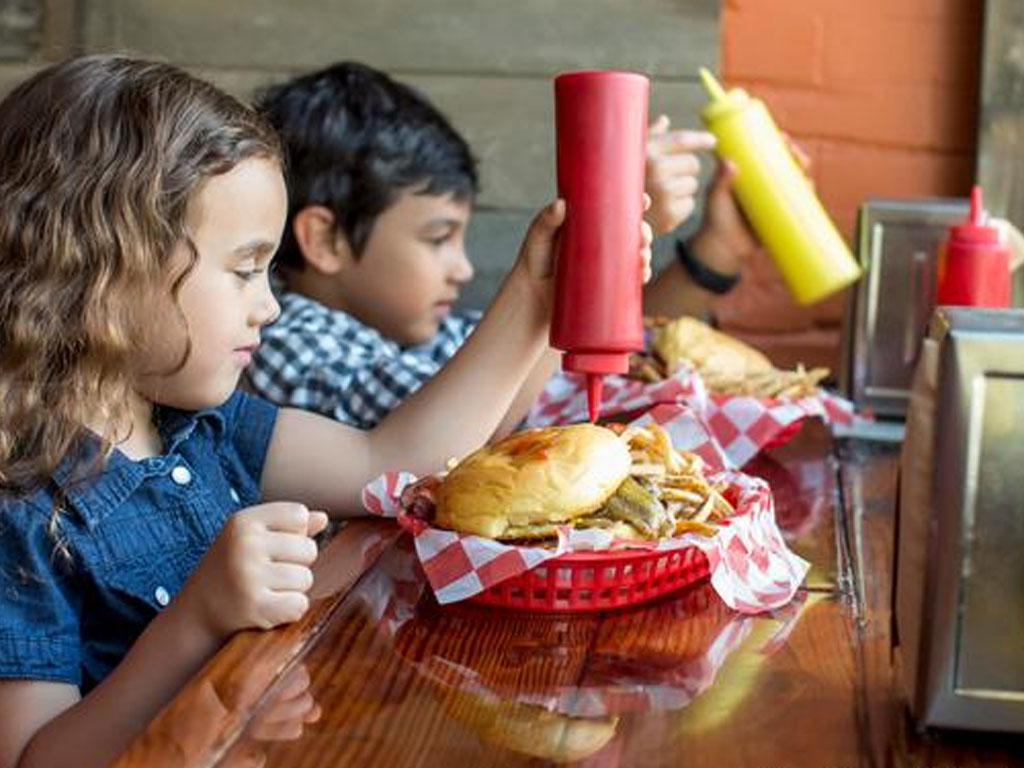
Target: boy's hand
[537,253]
[257,572]
[725,238]
[671,173]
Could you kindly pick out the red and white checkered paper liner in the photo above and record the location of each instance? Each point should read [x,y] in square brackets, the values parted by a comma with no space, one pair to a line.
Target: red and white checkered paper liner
[741,425]
[751,567]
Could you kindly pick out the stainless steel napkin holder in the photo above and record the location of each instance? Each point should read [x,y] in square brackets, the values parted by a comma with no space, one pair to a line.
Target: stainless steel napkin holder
[888,311]
[958,597]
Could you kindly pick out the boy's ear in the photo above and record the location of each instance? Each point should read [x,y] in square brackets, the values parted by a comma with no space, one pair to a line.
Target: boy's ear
[323,248]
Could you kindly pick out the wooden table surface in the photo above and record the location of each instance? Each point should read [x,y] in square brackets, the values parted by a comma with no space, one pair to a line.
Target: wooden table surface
[377,674]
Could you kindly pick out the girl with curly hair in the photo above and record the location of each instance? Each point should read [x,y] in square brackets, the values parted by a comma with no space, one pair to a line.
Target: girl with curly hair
[148,509]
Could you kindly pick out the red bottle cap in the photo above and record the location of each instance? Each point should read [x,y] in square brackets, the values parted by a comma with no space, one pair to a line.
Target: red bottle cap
[596,362]
[975,230]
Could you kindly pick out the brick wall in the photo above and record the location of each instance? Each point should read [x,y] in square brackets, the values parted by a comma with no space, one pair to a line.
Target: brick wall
[882,95]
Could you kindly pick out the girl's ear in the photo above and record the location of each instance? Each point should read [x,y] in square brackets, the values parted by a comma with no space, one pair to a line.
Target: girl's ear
[323,248]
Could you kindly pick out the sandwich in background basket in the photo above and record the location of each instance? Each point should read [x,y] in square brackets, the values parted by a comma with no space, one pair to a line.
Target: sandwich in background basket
[745,403]
[726,364]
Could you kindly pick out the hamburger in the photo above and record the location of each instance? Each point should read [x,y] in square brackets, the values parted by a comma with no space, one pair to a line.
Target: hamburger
[628,480]
[727,365]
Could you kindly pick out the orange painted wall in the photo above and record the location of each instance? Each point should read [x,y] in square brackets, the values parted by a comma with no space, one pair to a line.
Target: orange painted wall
[883,96]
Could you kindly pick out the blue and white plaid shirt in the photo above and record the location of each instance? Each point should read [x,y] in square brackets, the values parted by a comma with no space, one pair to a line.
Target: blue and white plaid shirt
[324,360]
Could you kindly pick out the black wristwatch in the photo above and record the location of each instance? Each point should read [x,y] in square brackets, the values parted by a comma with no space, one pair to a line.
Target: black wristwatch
[703,275]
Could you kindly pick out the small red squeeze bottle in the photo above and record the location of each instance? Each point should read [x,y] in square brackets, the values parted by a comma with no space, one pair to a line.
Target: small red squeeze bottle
[601,140]
[974,264]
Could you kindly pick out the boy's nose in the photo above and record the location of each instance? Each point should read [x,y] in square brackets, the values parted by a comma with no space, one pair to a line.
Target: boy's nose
[462,269]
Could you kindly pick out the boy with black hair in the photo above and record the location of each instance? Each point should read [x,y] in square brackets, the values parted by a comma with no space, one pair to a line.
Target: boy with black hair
[381,189]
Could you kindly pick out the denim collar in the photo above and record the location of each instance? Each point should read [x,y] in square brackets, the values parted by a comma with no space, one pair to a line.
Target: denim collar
[94,496]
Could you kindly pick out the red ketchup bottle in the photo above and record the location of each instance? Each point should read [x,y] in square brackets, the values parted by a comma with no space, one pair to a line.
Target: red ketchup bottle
[974,264]
[601,128]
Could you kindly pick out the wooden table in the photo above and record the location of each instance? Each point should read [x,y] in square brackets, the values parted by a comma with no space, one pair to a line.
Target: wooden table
[399,681]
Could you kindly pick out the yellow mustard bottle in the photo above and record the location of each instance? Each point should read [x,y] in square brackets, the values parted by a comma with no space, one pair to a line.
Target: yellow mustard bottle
[777,196]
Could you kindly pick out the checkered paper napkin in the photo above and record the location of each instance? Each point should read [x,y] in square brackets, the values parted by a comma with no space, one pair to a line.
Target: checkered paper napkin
[751,567]
[741,425]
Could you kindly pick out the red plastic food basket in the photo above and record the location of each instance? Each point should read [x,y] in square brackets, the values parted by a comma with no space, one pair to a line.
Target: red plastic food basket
[598,581]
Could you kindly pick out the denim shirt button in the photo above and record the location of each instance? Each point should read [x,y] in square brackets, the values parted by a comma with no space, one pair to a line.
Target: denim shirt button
[234,496]
[181,475]
[162,596]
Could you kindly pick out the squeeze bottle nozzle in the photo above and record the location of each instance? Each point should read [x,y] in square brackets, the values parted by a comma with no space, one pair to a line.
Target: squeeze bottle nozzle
[711,85]
[977,209]
[595,385]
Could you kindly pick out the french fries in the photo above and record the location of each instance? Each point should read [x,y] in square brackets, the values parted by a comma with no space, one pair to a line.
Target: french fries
[774,384]
[678,480]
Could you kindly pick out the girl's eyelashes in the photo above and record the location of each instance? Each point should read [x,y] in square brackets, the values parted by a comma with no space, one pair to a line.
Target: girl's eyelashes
[250,269]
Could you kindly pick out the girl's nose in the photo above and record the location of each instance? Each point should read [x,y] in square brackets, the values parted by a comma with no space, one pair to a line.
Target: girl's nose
[268,309]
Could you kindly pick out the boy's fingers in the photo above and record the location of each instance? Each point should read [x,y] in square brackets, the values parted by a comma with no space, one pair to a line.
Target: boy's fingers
[317,522]
[646,234]
[659,126]
[687,141]
[683,186]
[546,223]
[554,213]
[684,164]
[725,174]
[539,244]
[802,158]
[647,202]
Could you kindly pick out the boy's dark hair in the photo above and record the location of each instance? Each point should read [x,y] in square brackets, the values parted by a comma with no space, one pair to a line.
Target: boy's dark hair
[355,139]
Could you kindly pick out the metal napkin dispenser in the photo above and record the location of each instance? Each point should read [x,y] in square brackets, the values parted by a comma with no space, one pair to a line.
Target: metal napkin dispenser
[888,312]
[958,598]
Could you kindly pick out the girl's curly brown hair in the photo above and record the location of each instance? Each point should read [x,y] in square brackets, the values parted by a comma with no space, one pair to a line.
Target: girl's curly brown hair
[99,157]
